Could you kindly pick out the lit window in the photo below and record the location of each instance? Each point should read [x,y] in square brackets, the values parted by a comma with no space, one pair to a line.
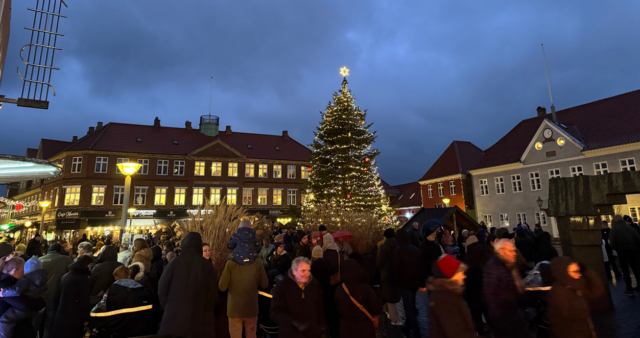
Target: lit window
[97,195]
[262,196]
[72,195]
[488,221]
[291,197]
[499,182]
[178,168]
[516,183]
[140,196]
[247,196]
[263,170]
[452,188]
[101,164]
[160,196]
[277,171]
[57,195]
[198,195]
[232,196]
[249,169]
[430,191]
[76,165]
[576,171]
[553,173]
[601,168]
[628,164]
[233,170]
[179,196]
[304,172]
[216,168]
[440,190]
[277,196]
[216,196]
[118,195]
[633,212]
[198,168]
[291,171]
[534,179]
[484,187]
[504,220]
[144,167]
[521,217]
[120,160]
[163,167]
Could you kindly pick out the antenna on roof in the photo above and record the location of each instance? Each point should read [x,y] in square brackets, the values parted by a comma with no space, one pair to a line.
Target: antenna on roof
[553,108]
[210,96]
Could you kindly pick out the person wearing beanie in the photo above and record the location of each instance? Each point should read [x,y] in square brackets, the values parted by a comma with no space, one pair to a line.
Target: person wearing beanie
[316,253]
[630,223]
[245,244]
[56,266]
[449,316]
[5,249]
[388,289]
[279,262]
[32,283]
[34,248]
[469,241]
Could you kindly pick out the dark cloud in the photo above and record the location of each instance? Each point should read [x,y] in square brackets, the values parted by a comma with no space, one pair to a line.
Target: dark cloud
[428,72]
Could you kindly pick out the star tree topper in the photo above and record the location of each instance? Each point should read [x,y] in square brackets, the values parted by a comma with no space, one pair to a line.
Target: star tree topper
[344,71]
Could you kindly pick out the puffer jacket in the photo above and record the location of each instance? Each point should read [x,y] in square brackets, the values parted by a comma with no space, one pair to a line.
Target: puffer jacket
[143,256]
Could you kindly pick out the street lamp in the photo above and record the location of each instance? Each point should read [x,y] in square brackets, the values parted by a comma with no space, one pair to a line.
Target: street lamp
[446,202]
[127,169]
[539,201]
[44,205]
[131,211]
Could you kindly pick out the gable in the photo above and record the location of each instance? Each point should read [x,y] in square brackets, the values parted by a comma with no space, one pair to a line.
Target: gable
[217,148]
[551,150]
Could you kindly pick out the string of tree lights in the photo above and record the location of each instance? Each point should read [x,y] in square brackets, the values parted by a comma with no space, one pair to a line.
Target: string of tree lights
[343,160]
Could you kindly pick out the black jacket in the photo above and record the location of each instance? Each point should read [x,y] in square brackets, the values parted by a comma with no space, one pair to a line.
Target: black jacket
[430,253]
[331,256]
[502,297]
[353,321]
[303,250]
[102,274]
[34,248]
[188,292]
[477,257]
[568,301]
[298,312]
[388,288]
[157,267]
[449,315]
[546,251]
[408,269]
[527,247]
[71,302]
[281,263]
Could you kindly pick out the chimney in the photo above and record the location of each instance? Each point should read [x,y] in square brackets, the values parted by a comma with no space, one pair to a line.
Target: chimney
[91,129]
[553,114]
[156,122]
[187,125]
[75,138]
[99,125]
[285,134]
[542,112]
[228,130]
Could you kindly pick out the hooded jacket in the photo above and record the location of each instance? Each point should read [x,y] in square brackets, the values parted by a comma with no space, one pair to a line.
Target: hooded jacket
[353,321]
[568,301]
[245,246]
[243,282]
[384,262]
[157,267]
[330,253]
[144,256]
[102,274]
[71,303]
[298,311]
[188,291]
[407,263]
[449,316]
[623,237]
[56,266]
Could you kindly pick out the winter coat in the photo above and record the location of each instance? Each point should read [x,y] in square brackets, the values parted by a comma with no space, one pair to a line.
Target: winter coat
[502,297]
[477,257]
[157,267]
[408,269]
[321,272]
[527,247]
[415,236]
[124,256]
[388,289]
[32,285]
[546,251]
[331,256]
[568,301]
[144,256]
[449,316]
[56,266]
[245,246]
[281,263]
[188,291]
[297,311]
[71,302]
[34,248]
[302,250]
[430,253]
[243,282]
[102,274]
[263,256]
[354,322]
[623,237]
[23,303]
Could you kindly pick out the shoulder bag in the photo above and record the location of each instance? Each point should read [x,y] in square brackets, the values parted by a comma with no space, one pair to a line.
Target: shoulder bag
[374,319]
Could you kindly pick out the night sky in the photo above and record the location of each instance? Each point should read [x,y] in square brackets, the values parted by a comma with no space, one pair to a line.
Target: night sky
[429,72]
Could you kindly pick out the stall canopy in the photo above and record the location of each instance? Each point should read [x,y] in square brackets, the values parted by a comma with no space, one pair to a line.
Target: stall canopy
[446,216]
[20,168]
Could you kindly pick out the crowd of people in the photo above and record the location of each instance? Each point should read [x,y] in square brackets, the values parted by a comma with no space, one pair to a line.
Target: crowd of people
[296,283]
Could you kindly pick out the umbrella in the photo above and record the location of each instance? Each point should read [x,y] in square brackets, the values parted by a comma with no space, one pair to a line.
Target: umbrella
[345,234]
[433,223]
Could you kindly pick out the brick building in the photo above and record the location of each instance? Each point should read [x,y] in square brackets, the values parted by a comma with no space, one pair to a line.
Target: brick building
[181,169]
[406,199]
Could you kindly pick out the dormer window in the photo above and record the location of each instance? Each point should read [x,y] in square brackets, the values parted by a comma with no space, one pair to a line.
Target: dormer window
[139,139]
[278,148]
[175,142]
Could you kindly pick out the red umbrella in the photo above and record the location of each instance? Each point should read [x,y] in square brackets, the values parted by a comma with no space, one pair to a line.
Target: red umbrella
[345,234]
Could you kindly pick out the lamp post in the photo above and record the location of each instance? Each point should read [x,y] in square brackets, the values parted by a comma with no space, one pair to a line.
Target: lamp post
[131,211]
[127,169]
[539,201]
[44,205]
[446,202]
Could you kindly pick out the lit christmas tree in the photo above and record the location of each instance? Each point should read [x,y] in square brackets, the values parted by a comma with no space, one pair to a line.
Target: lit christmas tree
[344,172]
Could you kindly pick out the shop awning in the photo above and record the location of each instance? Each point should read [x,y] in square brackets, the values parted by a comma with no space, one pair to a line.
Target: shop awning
[19,168]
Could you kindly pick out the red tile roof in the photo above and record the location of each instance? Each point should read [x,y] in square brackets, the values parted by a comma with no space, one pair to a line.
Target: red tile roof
[603,123]
[458,158]
[122,137]
[408,196]
[49,148]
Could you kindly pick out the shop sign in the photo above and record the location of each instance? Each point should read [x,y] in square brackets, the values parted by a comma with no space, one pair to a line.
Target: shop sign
[109,214]
[144,213]
[274,212]
[67,214]
[100,213]
[171,213]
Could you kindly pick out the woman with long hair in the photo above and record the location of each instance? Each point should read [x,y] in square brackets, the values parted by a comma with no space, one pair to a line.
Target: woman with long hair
[141,253]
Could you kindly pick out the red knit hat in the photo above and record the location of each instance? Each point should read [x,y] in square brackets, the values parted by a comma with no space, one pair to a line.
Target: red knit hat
[448,265]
